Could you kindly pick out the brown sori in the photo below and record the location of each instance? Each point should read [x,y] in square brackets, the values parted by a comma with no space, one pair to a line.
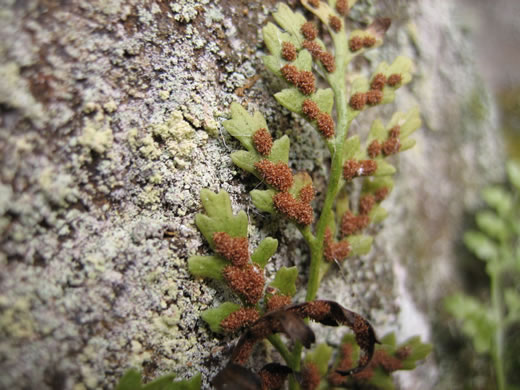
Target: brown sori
[328,61]
[388,362]
[366,203]
[273,379]
[394,79]
[234,249]
[290,73]
[278,301]
[346,363]
[378,82]
[374,97]
[317,310]
[342,7]
[314,3]
[306,194]
[335,250]
[374,149]
[355,43]
[350,169]
[369,41]
[381,194]
[306,82]
[288,51]
[391,146]
[310,109]
[335,23]
[394,132]
[309,31]
[263,141]
[247,281]
[311,376]
[296,210]
[313,47]
[368,167]
[326,125]
[358,101]
[277,175]
[239,319]
[351,223]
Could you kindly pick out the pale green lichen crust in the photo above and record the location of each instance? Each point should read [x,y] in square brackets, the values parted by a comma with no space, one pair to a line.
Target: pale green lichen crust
[105,112]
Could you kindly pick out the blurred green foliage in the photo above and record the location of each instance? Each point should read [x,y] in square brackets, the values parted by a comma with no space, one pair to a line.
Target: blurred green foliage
[497,243]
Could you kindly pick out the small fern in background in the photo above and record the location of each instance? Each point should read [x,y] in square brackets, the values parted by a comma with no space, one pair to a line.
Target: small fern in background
[497,243]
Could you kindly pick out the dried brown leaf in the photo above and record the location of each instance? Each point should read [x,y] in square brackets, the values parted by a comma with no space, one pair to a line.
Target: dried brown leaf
[379,27]
[337,315]
[236,377]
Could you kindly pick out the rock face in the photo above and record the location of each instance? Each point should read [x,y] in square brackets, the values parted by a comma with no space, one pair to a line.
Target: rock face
[110,126]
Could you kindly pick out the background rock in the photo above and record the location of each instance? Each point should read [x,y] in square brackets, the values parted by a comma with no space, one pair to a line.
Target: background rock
[110,125]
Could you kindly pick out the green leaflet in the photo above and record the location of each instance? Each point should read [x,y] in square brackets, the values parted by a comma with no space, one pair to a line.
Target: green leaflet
[360,244]
[477,320]
[381,380]
[498,198]
[245,160]
[513,172]
[263,200]
[213,317]
[352,147]
[280,150]
[274,64]
[418,351]
[360,84]
[242,126]
[320,356]
[264,251]
[377,132]
[408,143]
[285,280]
[372,184]
[342,205]
[491,224]
[292,99]
[377,214]
[301,179]
[481,245]
[303,61]
[273,38]
[131,380]
[408,122]
[290,21]
[207,266]
[401,65]
[384,168]
[219,217]
[512,299]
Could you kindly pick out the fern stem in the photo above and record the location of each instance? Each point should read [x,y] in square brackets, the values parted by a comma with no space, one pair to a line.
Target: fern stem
[316,246]
[332,189]
[498,348]
[280,346]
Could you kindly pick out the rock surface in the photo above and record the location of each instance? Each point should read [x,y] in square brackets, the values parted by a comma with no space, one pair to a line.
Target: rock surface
[110,125]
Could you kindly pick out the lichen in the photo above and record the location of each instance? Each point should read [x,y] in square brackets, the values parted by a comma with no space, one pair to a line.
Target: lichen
[16,320]
[14,92]
[96,137]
